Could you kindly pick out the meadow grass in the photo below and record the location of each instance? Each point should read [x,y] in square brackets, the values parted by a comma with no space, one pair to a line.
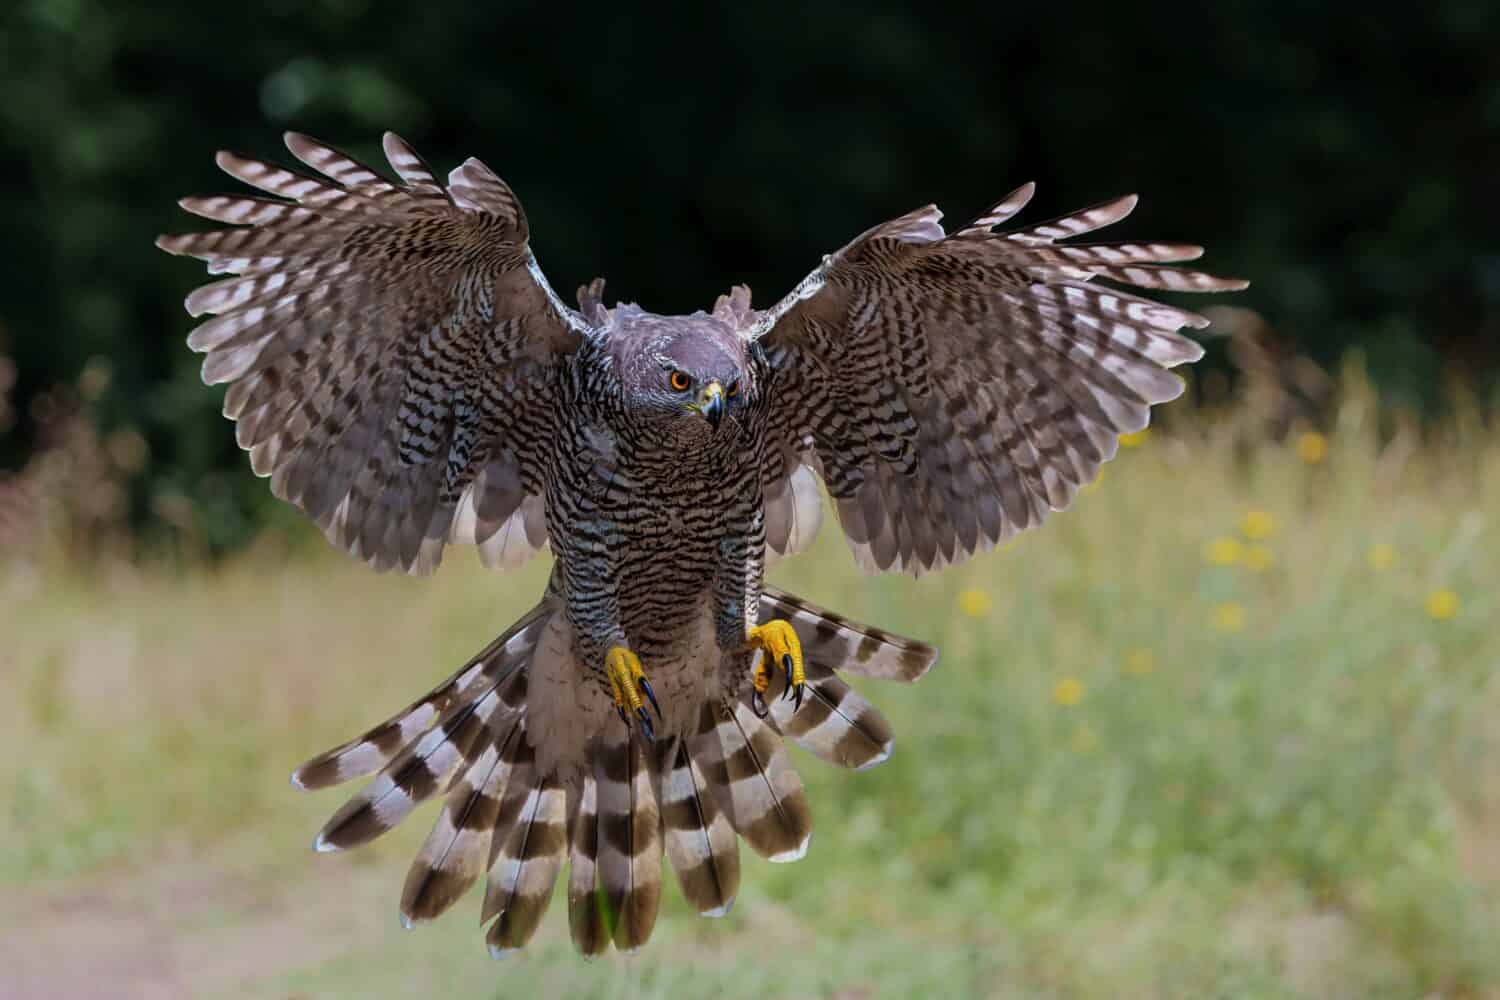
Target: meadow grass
[1226,727]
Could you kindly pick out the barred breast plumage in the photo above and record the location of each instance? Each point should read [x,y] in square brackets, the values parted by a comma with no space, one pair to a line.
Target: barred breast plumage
[402,371]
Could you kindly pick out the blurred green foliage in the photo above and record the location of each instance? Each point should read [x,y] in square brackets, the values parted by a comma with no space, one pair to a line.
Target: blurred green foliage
[1345,160]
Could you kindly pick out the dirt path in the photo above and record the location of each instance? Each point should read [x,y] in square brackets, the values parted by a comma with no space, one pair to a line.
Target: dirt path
[185,929]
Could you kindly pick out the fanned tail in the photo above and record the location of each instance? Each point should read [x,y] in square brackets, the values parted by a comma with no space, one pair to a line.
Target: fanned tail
[516,808]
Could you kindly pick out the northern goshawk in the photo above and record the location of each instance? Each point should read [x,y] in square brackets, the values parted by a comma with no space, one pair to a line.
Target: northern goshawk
[401,370]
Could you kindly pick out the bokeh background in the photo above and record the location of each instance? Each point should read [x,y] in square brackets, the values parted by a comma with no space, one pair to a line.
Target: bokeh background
[1227,727]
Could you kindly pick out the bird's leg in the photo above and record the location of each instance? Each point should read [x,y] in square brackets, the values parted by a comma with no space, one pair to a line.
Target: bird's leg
[778,644]
[627,682]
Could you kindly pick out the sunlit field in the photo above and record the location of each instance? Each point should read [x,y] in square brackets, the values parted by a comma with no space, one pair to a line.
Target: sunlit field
[1228,727]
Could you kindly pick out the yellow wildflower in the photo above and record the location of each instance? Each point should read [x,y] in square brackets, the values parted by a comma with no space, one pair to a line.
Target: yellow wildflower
[1135,439]
[1068,692]
[1140,662]
[1083,740]
[1381,557]
[1258,525]
[1259,558]
[1229,617]
[1224,551]
[1442,604]
[1312,447]
[974,602]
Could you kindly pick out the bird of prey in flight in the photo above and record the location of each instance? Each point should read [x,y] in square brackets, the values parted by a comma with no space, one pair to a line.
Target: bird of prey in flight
[401,370]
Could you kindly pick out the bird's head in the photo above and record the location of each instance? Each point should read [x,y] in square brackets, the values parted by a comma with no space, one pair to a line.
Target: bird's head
[688,374]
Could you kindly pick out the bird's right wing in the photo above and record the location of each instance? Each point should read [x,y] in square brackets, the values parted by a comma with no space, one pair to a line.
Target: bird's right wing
[393,351]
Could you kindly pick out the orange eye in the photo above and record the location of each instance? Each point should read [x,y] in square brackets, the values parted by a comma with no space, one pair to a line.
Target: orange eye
[680,381]
[733,390]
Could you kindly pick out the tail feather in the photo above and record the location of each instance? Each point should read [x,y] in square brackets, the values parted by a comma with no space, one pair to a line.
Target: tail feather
[830,638]
[375,749]
[701,844]
[629,835]
[834,722]
[752,773]
[456,851]
[526,864]
[585,916]
[417,772]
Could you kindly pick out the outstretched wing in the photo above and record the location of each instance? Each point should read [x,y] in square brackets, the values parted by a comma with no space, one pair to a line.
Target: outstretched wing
[393,350]
[951,390]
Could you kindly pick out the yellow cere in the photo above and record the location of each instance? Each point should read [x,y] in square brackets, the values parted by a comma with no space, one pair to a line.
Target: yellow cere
[1312,447]
[1229,617]
[974,602]
[1223,551]
[1259,558]
[1381,556]
[1135,439]
[1442,604]
[1068,692]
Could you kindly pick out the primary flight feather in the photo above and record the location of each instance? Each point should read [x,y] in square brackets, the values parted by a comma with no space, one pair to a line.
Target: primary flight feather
[401,370]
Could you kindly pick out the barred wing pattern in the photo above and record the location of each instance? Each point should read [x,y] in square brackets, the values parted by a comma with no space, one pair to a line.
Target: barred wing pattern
[952,390]
[393,350]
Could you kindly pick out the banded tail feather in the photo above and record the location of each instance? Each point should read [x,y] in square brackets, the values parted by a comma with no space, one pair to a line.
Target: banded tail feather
[375,749]
[629,853]
[752,775]
[586,921]
[833,640]
[530,845]
[700,842]
[834,722]
[458,850]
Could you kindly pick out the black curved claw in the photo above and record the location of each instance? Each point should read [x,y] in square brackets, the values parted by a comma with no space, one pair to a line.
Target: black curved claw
[786,666]
[758,706]
[623,718]
[646,729]
[650,694]
[797,698]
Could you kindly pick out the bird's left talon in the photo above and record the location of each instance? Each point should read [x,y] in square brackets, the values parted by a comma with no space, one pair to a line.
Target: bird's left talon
[778,643]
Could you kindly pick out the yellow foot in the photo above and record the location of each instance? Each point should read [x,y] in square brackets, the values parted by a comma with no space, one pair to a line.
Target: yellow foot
[628,682]
[778,643]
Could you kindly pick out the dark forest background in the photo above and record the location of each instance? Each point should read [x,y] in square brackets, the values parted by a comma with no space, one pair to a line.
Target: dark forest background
[1345,159]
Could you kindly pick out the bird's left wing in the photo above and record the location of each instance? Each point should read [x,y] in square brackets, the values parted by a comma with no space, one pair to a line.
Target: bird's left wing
[393,350]
[951,390]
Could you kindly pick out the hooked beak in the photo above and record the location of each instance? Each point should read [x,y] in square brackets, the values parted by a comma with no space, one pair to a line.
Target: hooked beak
[711,404]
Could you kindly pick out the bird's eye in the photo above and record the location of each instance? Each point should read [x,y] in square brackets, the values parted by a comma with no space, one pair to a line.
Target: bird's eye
[733,390]
[680,381]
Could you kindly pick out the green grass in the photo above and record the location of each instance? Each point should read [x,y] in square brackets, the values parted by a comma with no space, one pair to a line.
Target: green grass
[1305,806]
